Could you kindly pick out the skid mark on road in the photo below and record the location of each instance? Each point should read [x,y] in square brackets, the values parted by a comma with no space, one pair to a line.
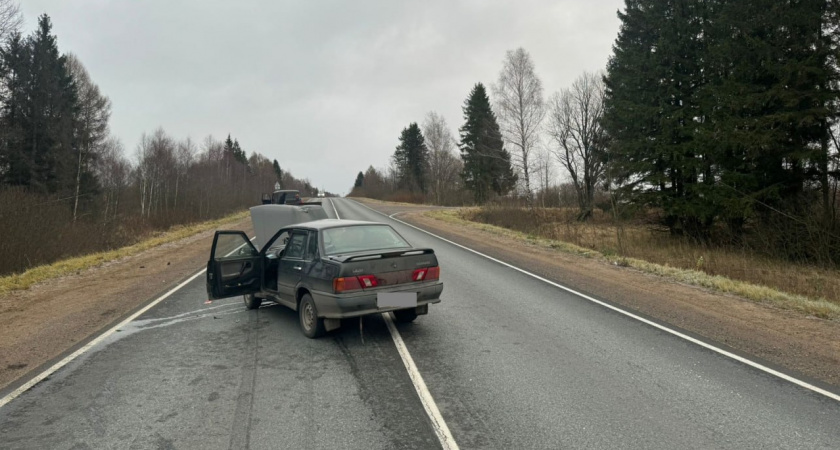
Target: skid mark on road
[438,424]
[240,435]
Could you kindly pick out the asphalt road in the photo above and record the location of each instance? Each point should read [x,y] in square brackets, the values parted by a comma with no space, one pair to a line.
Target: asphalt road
[510,362]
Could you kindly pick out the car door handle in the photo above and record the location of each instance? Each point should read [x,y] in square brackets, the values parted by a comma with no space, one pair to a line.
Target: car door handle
[296,267]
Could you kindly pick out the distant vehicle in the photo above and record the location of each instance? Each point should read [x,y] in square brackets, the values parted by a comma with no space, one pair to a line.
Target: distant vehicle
[321,194]
[283,197]
[325,269]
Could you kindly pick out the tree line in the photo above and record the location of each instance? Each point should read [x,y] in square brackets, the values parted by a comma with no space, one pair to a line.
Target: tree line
[719,116]
[67,185]
[424,165]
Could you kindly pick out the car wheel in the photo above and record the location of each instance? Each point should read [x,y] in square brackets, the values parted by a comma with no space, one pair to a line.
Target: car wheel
[251,301]
[405,315]
[311,325]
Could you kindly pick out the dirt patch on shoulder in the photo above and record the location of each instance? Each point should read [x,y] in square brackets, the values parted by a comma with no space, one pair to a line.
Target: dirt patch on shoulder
[43,322]
[786,339]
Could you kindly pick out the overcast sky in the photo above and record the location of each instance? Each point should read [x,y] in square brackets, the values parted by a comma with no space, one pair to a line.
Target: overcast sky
[325,87]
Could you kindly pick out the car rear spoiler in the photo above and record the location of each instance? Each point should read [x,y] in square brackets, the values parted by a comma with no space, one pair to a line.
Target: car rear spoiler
[412,252]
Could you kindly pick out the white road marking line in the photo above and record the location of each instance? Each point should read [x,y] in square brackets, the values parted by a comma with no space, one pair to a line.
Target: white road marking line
[438,424]
[55,367]
[332,202]
[706,345]
[40,377]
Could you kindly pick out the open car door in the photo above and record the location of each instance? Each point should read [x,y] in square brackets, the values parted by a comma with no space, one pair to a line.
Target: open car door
[235,266]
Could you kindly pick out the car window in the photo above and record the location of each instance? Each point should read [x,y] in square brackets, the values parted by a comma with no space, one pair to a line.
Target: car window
[297,245]
[233,245]
[292,198]
[312,246]
[361,238]
[280,242]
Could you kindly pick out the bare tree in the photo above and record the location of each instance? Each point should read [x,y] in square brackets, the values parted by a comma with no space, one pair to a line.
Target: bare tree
[11,19]
[443,165]
[184,156]
[113,172]
[575,126]
[519,100]
[155,168]
[92,124]
[544,170]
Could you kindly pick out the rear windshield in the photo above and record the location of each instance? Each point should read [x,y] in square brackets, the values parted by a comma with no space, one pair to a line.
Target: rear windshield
[361,238]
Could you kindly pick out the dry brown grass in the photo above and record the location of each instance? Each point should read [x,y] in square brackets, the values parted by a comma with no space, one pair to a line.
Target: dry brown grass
[72,265]
[811,290]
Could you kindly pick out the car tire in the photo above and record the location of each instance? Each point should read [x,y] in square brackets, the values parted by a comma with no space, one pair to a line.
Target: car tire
[405,315]
[251,301]
[311,325]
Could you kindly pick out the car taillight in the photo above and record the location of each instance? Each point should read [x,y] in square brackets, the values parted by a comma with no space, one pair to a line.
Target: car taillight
[433,273]
[426,273]
[367,281]
[345,284]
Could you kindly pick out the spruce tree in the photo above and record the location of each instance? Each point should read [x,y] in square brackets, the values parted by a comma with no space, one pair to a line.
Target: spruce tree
[412,159]
[776,93]
[360,180]
[39,114]
[487,167]
[238,153]
[15,75]
[53,110]
[278,171]
[653,113]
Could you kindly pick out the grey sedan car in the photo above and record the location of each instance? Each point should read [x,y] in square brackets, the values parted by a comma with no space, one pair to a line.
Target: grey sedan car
[326,270]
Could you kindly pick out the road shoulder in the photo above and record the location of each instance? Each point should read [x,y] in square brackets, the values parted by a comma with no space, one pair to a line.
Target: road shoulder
[803,346]
[53,317]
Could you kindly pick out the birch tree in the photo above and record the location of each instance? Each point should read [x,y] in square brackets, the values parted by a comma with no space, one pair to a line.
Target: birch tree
[11,19]
[93,113]
[444,167]
[521,109]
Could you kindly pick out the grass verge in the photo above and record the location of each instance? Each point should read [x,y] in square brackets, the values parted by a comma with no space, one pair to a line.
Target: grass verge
[817,307]
[383,202]
[69,266]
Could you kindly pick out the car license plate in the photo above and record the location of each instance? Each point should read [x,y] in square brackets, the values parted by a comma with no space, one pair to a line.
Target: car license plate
[396,299]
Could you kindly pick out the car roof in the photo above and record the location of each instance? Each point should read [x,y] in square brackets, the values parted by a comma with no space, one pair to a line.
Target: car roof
[324,224]
[286,190]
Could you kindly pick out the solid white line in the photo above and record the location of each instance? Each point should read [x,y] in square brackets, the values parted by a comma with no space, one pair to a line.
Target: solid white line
[438,424]
[721,351]
[332,202]
[43,375]
[40,377]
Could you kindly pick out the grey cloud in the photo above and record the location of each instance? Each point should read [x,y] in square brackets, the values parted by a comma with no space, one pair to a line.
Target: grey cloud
[323,86]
